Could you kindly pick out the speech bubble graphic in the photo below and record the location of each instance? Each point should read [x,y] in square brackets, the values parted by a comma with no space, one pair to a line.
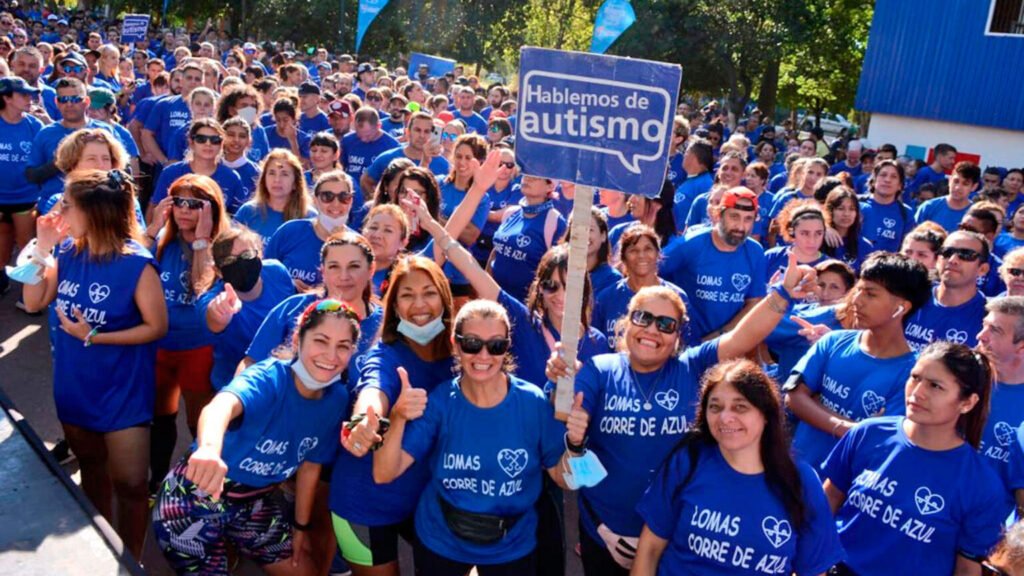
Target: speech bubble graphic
[570,111]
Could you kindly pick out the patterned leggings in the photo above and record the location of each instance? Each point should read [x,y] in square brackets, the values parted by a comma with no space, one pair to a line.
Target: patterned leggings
[192,530]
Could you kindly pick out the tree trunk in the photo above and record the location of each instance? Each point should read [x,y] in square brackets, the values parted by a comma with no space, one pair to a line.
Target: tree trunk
[768,96]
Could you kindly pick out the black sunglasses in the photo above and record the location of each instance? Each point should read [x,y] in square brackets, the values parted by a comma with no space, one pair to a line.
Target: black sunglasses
[328,197]
[509,165]
[965,254]
[70,99]
[1015,272]
[550,286]
[190,203]
[664,324]
[207,139]
[246,255]
[473,345]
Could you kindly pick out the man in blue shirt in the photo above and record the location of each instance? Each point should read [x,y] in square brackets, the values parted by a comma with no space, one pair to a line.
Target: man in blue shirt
[394,122]
[366,79]
[885,219]
[852,163]
[27,64]
[697,162]
[465,97]
[942,161]
[312,120]
[361,148]
[420,128]
[170,114]
[947,211]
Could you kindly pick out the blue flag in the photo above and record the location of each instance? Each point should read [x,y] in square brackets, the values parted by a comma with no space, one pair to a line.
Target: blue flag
[368,10]
[613,18]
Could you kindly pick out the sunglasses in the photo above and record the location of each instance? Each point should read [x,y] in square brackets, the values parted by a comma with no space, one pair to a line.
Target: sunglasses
[73,69]
[70,99]
[473,345]
[989,569]
[1015,272]
[509,165]
[374,99]
[448,136]
[965,254]
[190,203]
[328,197]
[550,286]
[207,139]
[494,128]
[664,324]
[246,255]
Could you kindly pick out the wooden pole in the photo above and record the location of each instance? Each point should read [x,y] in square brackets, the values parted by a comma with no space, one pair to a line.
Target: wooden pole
[579,237]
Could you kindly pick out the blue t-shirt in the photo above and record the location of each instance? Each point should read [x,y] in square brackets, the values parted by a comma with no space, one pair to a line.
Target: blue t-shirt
[126,139]
[509,196]
[724,522]
[486,461]
[615,221]
[785,341]
[999,441]
[925,175]
[916,508]
[264,221]
[839,167]
[451,197]
[439,166]
[184,324]
[777,259]
[959,324]
[603,276]
[864,249]
[179,144]
[938,210]
[698,212]
[318,123]
[249,173]
[530,347]
[635,420]
[392,128]
[354,495]
[615,233]
[850,382]
[1005,243]
[229,345]
[718,282]
[297,246]
[784,197]
[519,244]
[357,156]
[279,429]
[475,123]
[613,302]
[15,153]
[166,117]
[277,141]
[102,387]
[260,144]
[228,180]
[885,225]
[676,174]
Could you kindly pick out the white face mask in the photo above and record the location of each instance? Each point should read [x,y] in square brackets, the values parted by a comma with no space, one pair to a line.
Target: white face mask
[307,379]
[331,223]
[421,335]
[248,114]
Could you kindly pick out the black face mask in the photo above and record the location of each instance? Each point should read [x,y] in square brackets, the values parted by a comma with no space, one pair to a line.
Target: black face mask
[242,274]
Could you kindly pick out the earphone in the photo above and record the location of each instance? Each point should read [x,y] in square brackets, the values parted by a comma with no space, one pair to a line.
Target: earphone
[899,310]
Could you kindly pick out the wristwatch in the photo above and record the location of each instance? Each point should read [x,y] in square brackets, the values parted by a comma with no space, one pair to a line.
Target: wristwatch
[200,244]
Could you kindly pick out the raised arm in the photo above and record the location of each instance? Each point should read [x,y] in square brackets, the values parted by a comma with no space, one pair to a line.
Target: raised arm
[483,178]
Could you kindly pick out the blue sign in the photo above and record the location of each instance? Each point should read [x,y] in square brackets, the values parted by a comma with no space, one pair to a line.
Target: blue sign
[368,10]
[613,18]
[596,120]
[134,28]
[438,66]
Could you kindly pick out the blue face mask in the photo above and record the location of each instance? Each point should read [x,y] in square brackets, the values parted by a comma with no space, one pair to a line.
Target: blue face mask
[30,273]
[421,335]
[586,471]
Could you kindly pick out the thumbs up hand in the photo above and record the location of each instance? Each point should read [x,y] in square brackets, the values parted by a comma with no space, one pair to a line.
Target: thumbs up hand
[412,402]
[361,434]
[579,419]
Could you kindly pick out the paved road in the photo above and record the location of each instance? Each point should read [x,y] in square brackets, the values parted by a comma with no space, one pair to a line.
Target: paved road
[25,376]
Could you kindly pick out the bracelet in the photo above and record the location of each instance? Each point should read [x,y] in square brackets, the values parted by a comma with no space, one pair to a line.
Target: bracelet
[778,289]
[382,428]
[776,307]
[448,245]
[576,449]
[88,337]
[302,527]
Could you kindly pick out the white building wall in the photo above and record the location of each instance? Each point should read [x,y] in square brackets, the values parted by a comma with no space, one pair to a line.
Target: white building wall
[996,147]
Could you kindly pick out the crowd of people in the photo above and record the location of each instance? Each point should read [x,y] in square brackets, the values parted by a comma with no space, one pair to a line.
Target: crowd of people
[802,357]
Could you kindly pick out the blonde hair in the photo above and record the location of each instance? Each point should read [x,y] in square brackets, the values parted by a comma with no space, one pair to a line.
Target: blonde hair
[395,212]
[71,148]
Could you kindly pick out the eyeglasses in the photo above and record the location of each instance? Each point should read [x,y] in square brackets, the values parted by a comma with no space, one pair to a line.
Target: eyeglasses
[190,203]
[494,128]
[448,136]
[328,197]
[965,254]
[245,255]
[70,99]
[1015,272]
[72,69]
[473,345]
[509,165]
[550,286]
[664,324]
[374,99]
[207,139]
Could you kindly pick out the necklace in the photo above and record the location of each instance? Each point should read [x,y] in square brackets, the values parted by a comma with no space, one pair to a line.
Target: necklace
[647,397]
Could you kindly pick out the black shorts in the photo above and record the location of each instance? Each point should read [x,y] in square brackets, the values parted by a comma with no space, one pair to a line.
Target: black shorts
[8,211]
[364,545]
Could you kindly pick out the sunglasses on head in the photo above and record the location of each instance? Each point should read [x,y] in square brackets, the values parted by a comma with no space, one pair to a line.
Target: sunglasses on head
[245,255]
[328,197]
[190,203]
[965,254]
[70,99]
[550,286]
[73,68]
[664,324]
[473,345]
[207,139]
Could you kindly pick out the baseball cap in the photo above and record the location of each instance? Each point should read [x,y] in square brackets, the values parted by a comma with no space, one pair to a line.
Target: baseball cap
[52,18]
[62,22]
[100,98]
[12,84]
[737,198]
[74,57]
[249,46]
[307,88]
[364,67]
[341,108]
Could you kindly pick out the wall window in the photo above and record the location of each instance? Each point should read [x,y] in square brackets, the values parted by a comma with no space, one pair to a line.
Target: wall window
[1006,17]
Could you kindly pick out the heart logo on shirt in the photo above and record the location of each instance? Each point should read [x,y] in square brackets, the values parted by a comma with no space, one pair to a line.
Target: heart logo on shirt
[927,501]
[889,222]
[778,532]
[958,336]
[98,292]
[185,278]
[872,402]
[523,241]
[740,282]
[307,444]
[668,399]
[513,462]
[1004,433]
[26,147]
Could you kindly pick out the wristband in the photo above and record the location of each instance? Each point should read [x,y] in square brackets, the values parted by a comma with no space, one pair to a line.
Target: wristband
[576,449]
[88,337]
[781,291]
[302,527]
[382,428]
[448,245]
